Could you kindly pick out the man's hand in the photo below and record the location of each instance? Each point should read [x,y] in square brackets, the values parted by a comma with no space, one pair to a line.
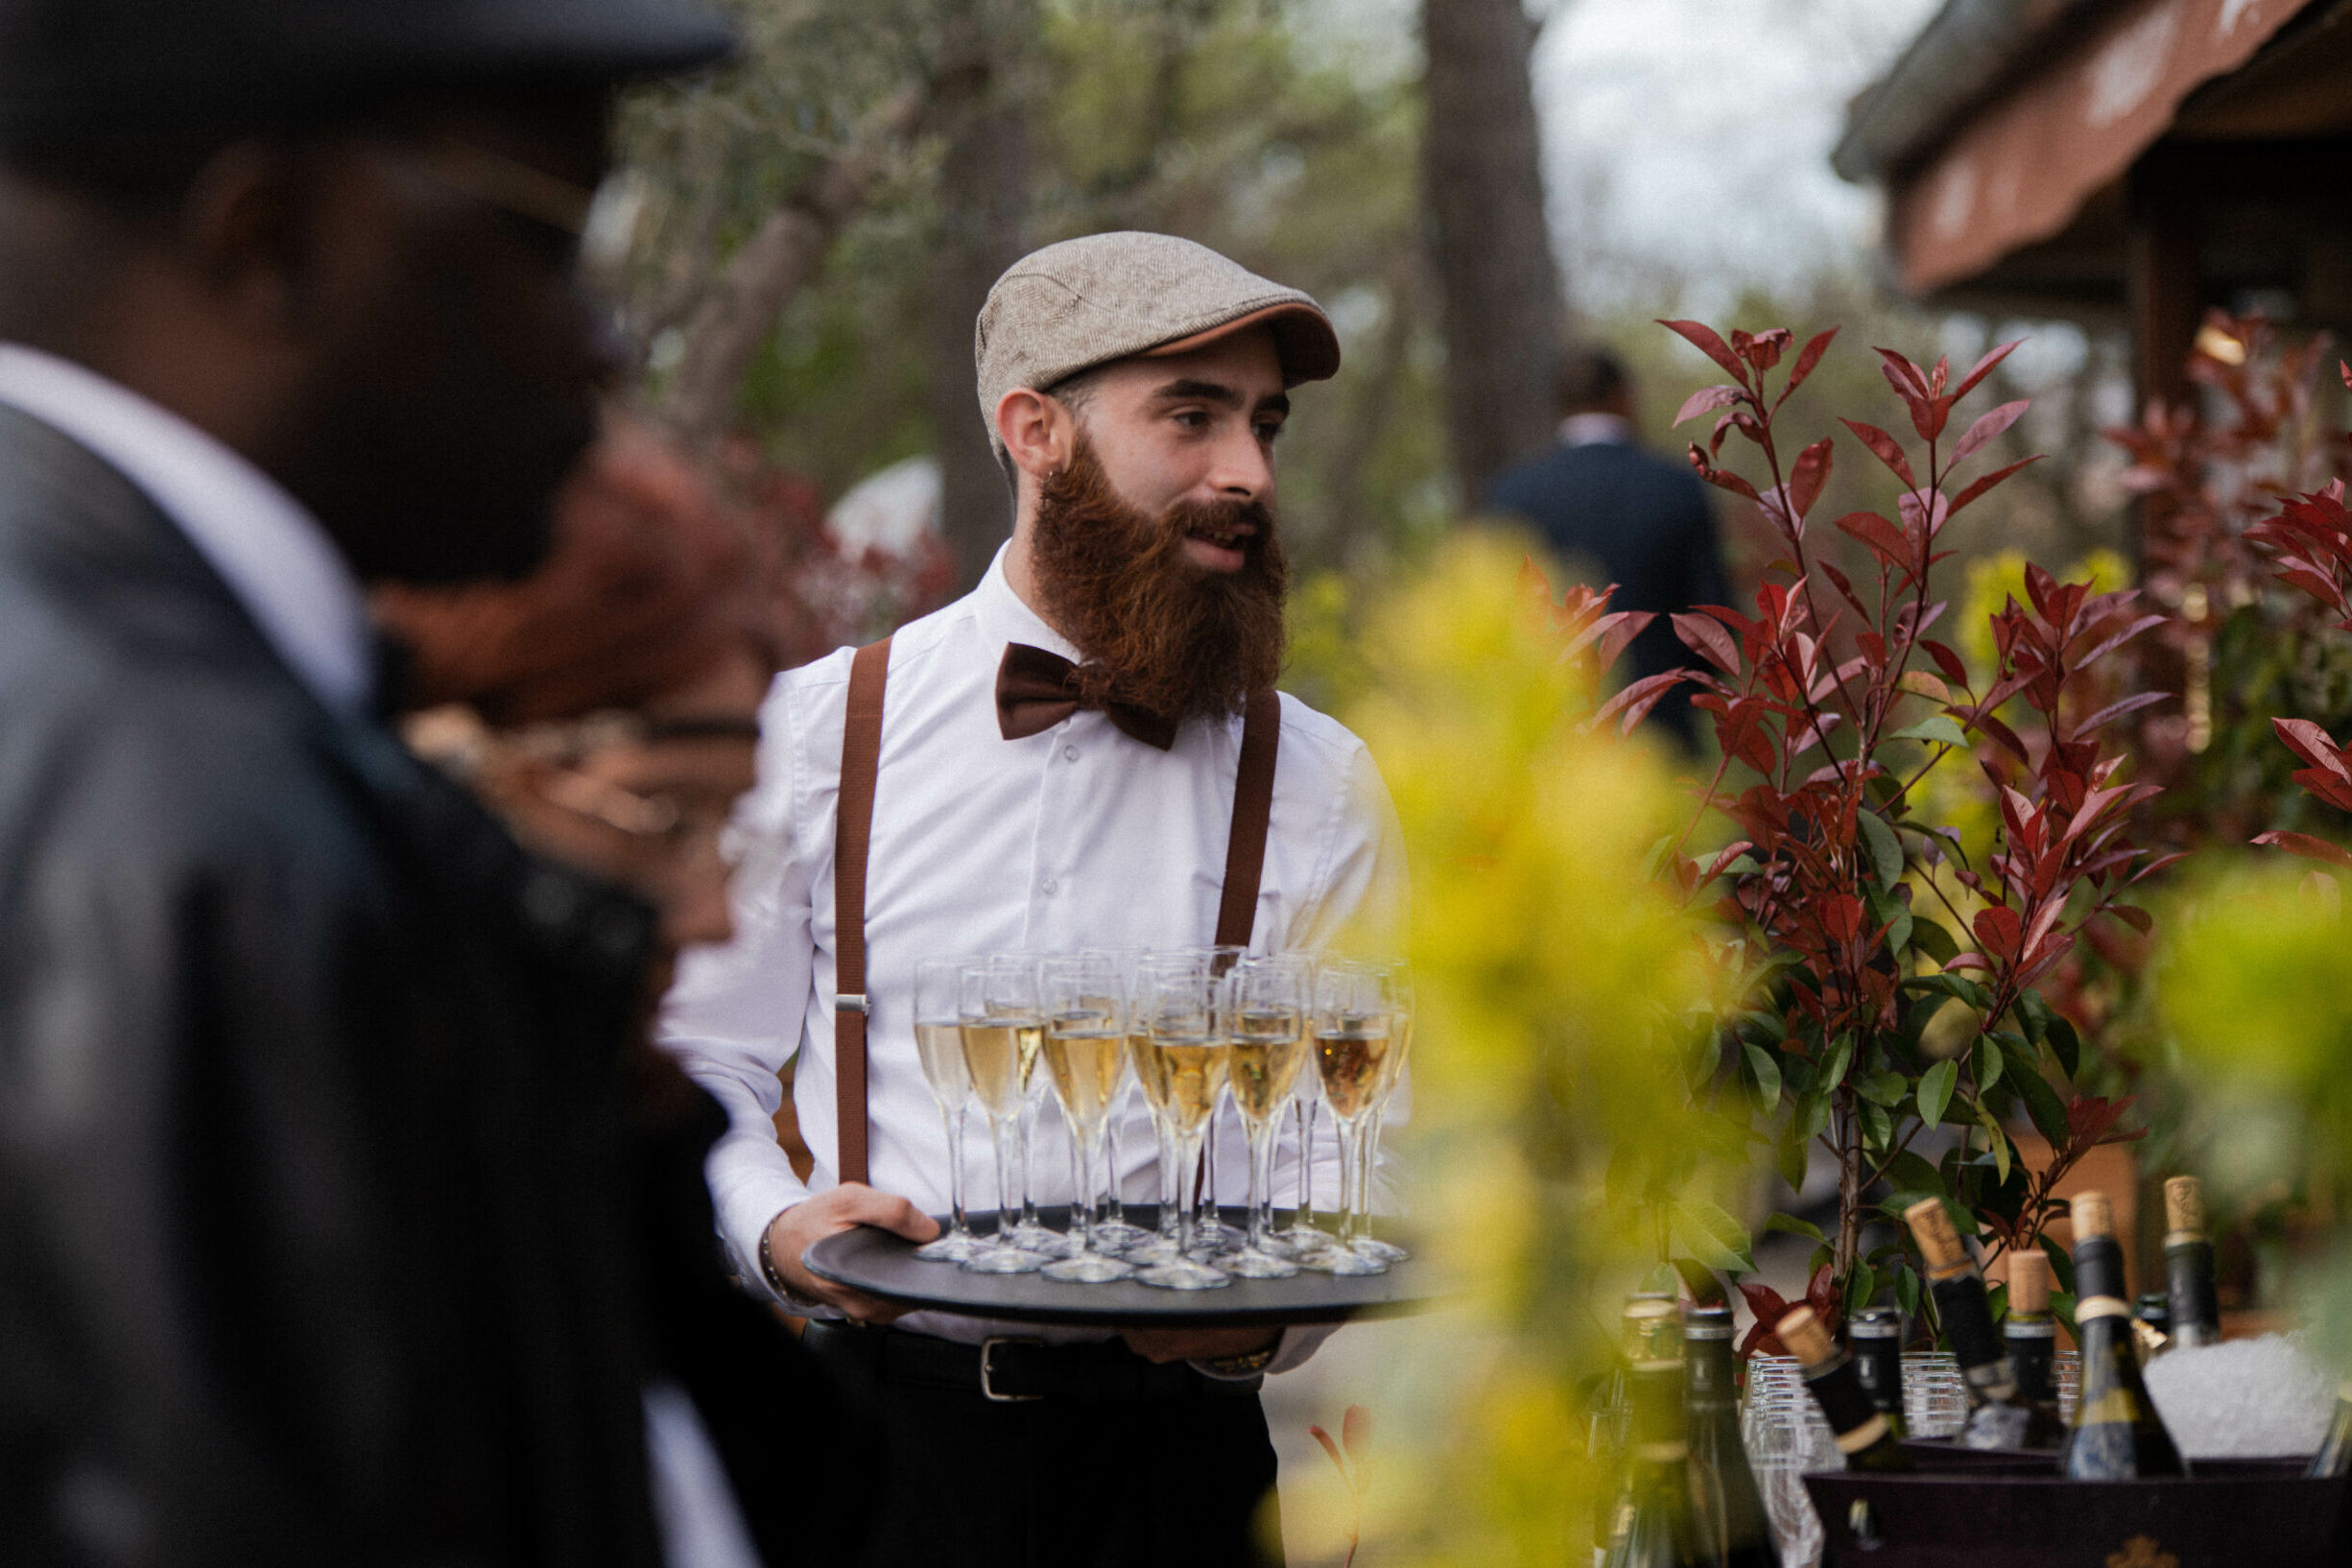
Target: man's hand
[828,1214]
[1165,1345]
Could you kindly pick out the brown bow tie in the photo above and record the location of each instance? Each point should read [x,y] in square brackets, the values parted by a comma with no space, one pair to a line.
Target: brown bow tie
[1037,690]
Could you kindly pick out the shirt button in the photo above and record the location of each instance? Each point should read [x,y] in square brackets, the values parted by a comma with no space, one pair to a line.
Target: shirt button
[1049,887]
[1069,753]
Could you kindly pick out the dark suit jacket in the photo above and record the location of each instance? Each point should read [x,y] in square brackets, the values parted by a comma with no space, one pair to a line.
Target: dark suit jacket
[319,1236]
[1638,521]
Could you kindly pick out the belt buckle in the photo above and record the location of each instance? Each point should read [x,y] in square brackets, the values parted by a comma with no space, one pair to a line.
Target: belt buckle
[987,1370]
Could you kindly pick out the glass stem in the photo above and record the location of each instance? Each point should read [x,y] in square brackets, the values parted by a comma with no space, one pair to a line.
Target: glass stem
[1028,1121]
[1084,1208]
[954,1123]
[1367,1149]
[1114,1204]
[1004,1131]
[1261,1181]
[1351,1134]
[1306,1162]
[1170,1190]
[1188,1157]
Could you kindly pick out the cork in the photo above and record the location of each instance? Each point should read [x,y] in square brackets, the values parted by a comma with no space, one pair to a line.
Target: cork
[2029,1282]
[2184,1208]
[1802,1331]
[1940,1245]
[2093,1215]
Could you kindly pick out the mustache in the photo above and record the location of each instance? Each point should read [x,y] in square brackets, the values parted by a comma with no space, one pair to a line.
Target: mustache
[1249,523]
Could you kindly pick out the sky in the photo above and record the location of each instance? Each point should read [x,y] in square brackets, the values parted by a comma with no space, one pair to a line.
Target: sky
[1686,142]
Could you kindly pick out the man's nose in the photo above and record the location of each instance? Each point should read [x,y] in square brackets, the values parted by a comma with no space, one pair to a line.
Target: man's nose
[1243,470]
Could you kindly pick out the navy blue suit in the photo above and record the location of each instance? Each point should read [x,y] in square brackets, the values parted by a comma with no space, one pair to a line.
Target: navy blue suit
[1639,521]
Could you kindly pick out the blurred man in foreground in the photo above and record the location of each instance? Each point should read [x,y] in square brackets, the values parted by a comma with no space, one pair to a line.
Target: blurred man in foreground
[314,1246]
[1642,520]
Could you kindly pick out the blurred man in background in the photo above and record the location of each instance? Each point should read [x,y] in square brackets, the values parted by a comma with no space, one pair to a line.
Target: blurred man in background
[1640,520]
[317,1238]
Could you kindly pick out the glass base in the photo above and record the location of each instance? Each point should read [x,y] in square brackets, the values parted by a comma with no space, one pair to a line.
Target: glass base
[997,1258]
[1184,1275]
[1371,1247]
[1340,1260]
[1154,1249]
[1118,1236]
[1257,1263]
[952,1247]
[1089,1268]
[1217,1233]
[1304,1238]
[1037,1239]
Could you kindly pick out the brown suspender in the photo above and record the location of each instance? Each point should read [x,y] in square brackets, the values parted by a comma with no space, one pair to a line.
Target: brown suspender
[1237,909]
[853,833]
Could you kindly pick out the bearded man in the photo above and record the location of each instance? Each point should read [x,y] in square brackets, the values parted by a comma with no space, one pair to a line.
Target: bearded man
[1061,756]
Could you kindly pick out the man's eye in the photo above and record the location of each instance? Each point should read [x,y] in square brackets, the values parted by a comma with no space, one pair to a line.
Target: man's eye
[1267,431]
[1191,418]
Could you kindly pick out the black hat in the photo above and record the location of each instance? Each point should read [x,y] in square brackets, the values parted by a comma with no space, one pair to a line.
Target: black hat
[78,71]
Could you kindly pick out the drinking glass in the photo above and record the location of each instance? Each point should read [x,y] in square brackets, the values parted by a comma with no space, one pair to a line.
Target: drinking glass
[990,1031]
[1268,1003]
[1012,992]
[1085,1053]
[1184,1059]
[1352,1031]
[1112,1233]
[1212,1236]
[1397,980]
[938,1039]
[1302,1235]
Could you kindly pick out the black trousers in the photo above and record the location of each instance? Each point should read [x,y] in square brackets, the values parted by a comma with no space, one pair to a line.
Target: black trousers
[1059,1483]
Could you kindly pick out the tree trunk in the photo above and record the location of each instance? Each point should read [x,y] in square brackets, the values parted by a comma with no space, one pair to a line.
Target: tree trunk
[1483,191]
[735,317]
[983,199]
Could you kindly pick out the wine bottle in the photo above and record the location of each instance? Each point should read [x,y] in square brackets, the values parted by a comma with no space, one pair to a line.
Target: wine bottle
[2152,1324]
[2335,1455]
[2118,1435]
[1639,1328]
[1863,1437]
[1876,1333]
[2188,1264]
[1996,1419]
[1654,1526]
[1734,1532]
[2032,1335]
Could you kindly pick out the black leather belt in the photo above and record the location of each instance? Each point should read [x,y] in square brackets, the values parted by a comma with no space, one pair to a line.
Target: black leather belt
[1010,1370]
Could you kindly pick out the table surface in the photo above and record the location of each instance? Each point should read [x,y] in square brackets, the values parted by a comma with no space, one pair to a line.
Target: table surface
[884,1264]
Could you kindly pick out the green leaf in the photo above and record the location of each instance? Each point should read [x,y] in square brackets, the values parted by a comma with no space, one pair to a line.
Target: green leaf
[1898,930]
[2066,1043]
[1789,1224]
[1987,1062]
[1998,1145]
[2032,1015]
[1766,1074]
[2062,1308]
[1813,1116]
[1861,1286]
[1935,1091]
[2042,1104]
[1885,849]
[1881,1088]
[2061,1265]
[1713,1236]
[1877,1125]
[1908,1169]
[1940,728]
[1932,938]
[1907,1291]
[1833,1071]
[1794,1157]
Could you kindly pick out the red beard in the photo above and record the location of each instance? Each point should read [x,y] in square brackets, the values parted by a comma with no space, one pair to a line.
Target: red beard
[1154,628]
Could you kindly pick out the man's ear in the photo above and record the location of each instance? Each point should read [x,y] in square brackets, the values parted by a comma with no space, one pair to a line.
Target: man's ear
[245,228]
[1038,433]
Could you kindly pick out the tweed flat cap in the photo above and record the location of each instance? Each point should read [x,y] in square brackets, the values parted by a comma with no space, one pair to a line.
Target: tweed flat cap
[74,72]
[1088,302]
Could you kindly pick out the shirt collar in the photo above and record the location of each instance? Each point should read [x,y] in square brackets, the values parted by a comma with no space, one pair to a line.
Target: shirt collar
[1003,616]
[1596,428]
[272,554]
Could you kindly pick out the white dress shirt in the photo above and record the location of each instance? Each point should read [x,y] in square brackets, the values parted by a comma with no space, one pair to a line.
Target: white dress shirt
[1078,837]
[269,549]
[1596,428]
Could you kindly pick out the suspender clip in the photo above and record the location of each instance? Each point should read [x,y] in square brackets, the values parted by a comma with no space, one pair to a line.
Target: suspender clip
[851,1001]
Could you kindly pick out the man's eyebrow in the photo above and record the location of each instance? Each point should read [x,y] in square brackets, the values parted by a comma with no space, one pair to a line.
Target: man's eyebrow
[1278,403]
[1199,392]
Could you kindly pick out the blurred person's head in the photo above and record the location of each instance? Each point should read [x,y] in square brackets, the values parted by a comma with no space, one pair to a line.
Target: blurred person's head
[1593,380]
[1135,387]
[341,239]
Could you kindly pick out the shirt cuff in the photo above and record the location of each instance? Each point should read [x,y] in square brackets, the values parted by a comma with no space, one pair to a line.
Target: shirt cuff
[746,1207]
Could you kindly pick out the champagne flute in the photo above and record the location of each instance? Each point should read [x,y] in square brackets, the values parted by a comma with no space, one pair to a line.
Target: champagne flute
[1012,992]
[1268,1002]
[1112,1233]
[1351,1045]
[1162,1245]
[1302,1236]
[1212,1235]
[1188,1056]
[938,1039]
[991,1057]
[1085,1053]
[1398,981]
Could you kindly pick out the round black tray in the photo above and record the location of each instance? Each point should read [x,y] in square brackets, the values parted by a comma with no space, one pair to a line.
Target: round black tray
[884,1264]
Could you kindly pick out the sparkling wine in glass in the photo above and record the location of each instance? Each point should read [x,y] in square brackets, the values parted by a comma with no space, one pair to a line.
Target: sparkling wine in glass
[1184,1061]
[993,1060]
[1398,981]
[939,1040]
[1086,1055]
[1268,1004]
[1352,1031]
[1112,1233]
